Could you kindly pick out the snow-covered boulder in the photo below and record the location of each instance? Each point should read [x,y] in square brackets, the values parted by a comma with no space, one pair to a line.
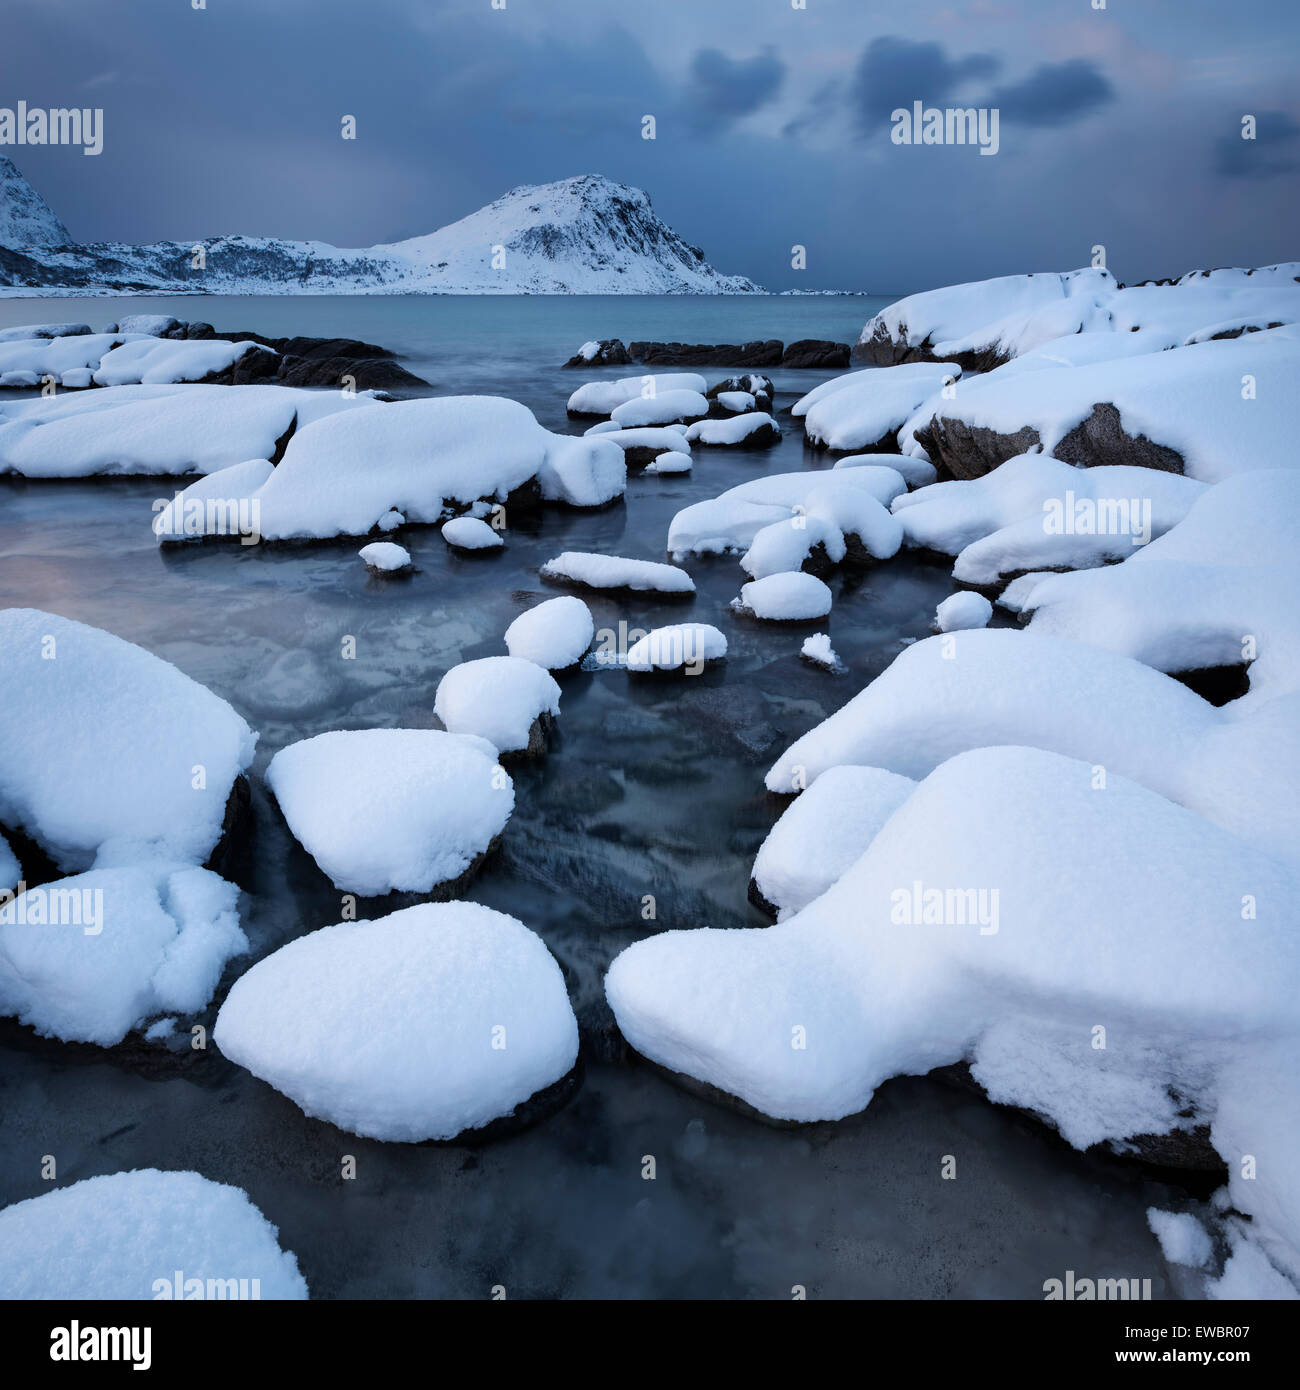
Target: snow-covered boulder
[107,746]
[754,430]
[663,408]
[385,557]
[217,504]
[836,522]
[554,635]
[615,572]
[1189,411]
[729,522]
[125,1235]
[162,361]
[506,700]
[915,472]
[168,430]
[56,358]
[670,462]
[822,834]
[89,958]
[641,445]
[678,647]
[605,397]
[735,402]
[21,332]
[947,322]
[582,472]
[152,325]
[470,533]
[784,598]
[420,1025]
[865,414]
[961,611]
[384,810]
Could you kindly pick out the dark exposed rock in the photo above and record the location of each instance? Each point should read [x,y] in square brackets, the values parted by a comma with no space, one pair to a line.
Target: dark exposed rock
[365,373]
[970,451]
[610,353]
[1220,685]
[756,897]
[761,437]
[1101,439]
[883,350]
[816,352]
[759,353]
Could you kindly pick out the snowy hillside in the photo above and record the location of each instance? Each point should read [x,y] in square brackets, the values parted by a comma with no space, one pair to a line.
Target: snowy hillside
[584,235]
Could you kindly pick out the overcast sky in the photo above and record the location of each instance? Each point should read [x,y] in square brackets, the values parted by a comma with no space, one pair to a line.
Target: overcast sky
[1119,126]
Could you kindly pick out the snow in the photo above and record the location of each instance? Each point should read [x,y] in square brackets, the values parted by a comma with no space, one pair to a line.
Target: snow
[555,634]
[870,406]
[589,349]
[419,1025]
[387,557]
[730,521]
[1248,1276]
[1121,897]
[915,472]
[790,597]
[785,546]
[104,744]
[119,1235]
[384,810]
[670,462]
[156,429]
[616,572]
[89,958]
[1189,400]
[662,438]
[42,330]
[1183,1240]
[56,357]
[963,610]
[391,520]
[160,361]
[422,458]
[733,431]
[663,408]
[152,325]
[605,397]
[832,514]
[819,651]
[823,832]
[498,698]
[676,647]
[219,503]
[10,870]
[469,533]
[738,402]
[958,312]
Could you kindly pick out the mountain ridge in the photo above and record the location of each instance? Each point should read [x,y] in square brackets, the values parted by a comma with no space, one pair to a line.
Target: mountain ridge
[582,235]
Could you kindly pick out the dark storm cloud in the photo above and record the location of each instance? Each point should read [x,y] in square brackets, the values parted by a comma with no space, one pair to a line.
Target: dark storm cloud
[894,72]
[1054,94]
[1274,150]
[722,90]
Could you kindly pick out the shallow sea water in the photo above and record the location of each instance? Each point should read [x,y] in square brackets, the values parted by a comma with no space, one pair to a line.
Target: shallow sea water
[650,787]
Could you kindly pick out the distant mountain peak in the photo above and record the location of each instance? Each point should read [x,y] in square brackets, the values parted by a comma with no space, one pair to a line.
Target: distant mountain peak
[581,235]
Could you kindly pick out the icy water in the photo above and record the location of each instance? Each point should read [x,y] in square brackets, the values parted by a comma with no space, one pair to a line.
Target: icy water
[650,788]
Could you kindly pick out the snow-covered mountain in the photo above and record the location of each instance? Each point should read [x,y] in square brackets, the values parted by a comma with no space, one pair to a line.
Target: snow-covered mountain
[584,235]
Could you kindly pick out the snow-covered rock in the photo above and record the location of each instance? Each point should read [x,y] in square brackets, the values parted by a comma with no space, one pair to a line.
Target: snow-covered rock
[916,472]
[756,429]
[21,332]
[867,410]
[58,359]
[670,462]
[836,522]
[791,597]
[152,325]
[420,1025]
[616,572]
[384,810]
[470,533]
[423,458]
[217,504]
[663,408]
[391,521]
[503,699]
[1183,1240]
[124,1236]
[161,361]
[961,611]
[107,746]
[89,958]
[555,634]
[582,472]
[823,832]
[736,402]
[605,397]
[641,446]
[385,557]
[167,430]
[819,651]
[729,522]
[677,647]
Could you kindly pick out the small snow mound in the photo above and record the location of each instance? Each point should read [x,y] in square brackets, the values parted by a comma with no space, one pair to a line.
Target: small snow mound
[961,611]
[469,533]
[680,646]
[819,651]
[554,634]
[499,698]
[792,597]
[385,557]
[617,572]
[670,462]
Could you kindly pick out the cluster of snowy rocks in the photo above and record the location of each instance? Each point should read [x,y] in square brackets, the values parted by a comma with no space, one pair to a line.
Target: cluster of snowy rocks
[1040,853]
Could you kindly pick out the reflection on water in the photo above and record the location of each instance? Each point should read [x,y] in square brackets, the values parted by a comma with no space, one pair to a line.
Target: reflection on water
[651,787]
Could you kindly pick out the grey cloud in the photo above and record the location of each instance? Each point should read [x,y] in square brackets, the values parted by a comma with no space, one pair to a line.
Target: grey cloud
[894,72]
[1054,94]
[1274,150]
